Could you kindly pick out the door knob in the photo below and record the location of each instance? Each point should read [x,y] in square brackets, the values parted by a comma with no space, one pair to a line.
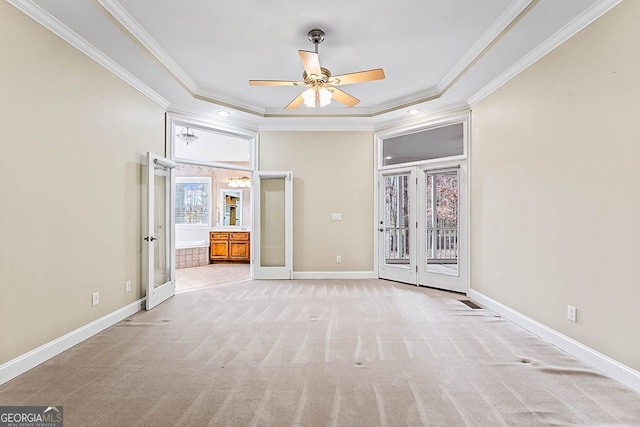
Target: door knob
[380,229]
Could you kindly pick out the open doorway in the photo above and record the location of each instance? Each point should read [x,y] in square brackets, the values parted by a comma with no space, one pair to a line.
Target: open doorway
[212,208]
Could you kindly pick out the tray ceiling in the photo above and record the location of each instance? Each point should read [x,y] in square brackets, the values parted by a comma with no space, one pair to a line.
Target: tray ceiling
[199,55]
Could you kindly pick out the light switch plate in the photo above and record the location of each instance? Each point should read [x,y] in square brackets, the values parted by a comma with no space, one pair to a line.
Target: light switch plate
[336,217]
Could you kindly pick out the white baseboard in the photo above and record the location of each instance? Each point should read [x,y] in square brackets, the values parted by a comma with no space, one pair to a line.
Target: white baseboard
[606,365]
[334,275]
[22,364]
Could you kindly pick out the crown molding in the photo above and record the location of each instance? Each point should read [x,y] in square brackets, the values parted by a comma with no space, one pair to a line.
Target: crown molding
[415,98]
[446,113]
[504,22]
[572,28]
[209,120]
[222,100]
[508,18]
[326,112]
[140,34]
[306,125]
[58,28]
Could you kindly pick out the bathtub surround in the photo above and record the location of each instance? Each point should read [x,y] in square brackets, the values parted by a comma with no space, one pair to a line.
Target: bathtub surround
[196,256]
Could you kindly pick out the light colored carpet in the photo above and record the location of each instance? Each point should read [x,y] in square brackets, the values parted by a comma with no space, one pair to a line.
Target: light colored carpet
[321,353]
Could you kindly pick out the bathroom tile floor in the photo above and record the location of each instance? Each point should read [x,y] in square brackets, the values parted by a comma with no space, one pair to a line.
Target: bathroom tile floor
[190,279]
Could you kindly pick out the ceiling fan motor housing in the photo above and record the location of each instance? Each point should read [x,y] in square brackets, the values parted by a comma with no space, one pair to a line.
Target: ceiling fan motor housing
[326,75]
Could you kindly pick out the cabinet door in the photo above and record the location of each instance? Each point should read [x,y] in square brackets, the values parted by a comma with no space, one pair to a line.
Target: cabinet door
[219,249]
[239,251]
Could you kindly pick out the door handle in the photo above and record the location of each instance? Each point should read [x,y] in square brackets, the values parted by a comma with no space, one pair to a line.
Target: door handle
[380,229]
[150,239]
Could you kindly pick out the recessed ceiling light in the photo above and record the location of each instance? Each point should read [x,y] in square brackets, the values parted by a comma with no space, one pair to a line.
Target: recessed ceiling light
[223,113]
[413,111]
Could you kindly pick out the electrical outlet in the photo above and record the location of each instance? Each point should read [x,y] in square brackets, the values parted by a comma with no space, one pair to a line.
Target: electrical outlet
[127,286]
[96,298]
[336,217]
[339,258]
[572,313]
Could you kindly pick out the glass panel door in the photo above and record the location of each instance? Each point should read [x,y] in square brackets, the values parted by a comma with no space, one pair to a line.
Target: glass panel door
[272,249]
[442,228]
[442,222]
[158,238]
[396,229]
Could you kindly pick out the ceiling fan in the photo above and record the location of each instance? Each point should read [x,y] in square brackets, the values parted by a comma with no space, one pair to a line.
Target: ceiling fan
[321,84]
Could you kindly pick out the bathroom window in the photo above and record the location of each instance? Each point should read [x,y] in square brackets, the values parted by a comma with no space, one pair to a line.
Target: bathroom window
[193,201]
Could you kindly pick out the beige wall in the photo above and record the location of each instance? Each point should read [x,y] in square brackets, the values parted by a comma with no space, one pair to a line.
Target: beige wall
[333,173]
[555,206]
[70,173]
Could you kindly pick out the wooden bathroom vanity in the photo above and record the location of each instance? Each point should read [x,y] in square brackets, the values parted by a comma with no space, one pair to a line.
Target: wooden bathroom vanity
[229,246]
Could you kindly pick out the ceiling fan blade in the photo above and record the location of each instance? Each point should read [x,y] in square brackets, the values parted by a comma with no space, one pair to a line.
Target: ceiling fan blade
[274,83]
[295,103]
[359,77]
[311,63]
[344,97]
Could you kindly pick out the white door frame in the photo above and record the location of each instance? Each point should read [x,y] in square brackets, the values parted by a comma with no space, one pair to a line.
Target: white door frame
[160,166]
[258,271]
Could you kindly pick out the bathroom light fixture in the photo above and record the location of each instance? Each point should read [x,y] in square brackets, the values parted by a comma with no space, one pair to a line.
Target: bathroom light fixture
[413,111]
[187,135]
[322,94]
[224,113]
[239,182]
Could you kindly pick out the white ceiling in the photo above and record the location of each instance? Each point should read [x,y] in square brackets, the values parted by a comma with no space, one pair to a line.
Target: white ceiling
[198,55]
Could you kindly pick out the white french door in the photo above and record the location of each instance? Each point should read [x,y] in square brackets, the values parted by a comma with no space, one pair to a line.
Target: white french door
[423,225]
[159,236]
[397,225]
[442,230]
[272,225]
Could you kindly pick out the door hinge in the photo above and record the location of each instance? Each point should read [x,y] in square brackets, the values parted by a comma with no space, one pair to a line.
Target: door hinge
[416,224]
[416,268]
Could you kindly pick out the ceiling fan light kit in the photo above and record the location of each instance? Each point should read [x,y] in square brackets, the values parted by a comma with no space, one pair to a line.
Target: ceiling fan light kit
[321,84]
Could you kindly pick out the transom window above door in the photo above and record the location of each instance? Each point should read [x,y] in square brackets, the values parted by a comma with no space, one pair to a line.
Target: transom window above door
[206,146]
[436,143]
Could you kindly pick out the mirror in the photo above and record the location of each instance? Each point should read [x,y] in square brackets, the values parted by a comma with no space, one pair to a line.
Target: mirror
[231,213]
